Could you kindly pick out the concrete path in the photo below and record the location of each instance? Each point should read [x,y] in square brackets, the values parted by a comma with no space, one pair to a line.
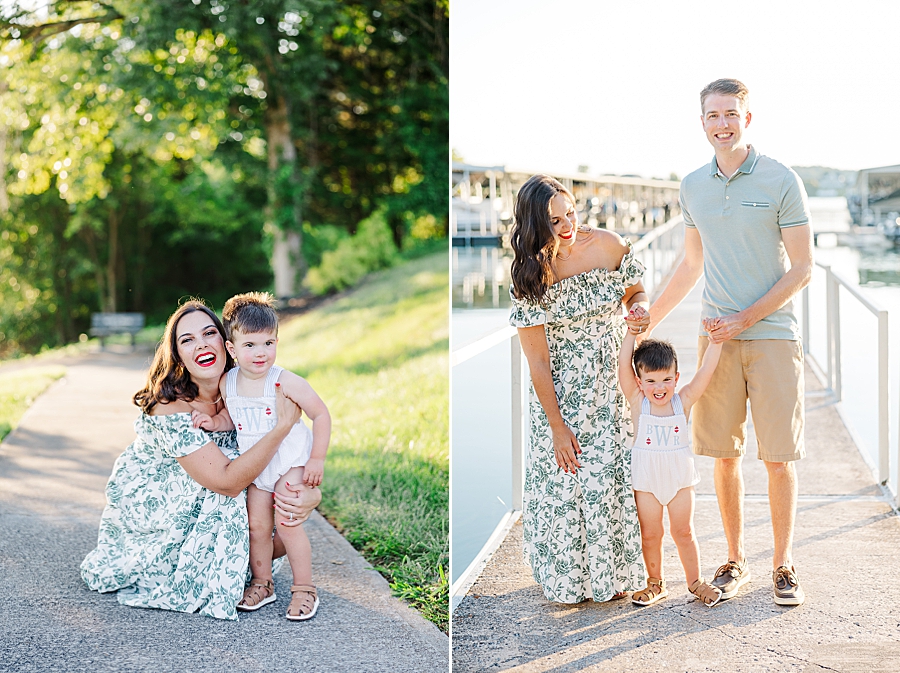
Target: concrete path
[53,470]
[846,550]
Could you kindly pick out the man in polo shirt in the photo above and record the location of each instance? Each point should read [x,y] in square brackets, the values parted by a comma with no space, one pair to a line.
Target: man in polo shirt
[747,229]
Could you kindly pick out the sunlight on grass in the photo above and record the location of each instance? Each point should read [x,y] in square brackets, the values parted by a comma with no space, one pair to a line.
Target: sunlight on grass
[379,358]
[18,389]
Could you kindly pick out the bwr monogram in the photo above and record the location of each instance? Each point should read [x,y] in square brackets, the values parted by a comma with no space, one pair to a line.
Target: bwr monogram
[254,419]
[664,434]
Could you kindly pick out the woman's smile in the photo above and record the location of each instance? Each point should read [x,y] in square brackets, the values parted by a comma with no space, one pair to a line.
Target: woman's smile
[206,359]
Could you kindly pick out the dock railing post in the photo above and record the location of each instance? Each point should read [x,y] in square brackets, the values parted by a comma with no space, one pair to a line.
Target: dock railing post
[518,427]
[829,327]
[804,321]
[884,421]
[836,327]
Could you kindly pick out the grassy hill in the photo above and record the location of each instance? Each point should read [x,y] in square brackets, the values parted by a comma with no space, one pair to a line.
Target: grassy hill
[378,357]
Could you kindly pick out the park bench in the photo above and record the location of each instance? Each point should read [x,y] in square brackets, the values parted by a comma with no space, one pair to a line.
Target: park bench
[107,324]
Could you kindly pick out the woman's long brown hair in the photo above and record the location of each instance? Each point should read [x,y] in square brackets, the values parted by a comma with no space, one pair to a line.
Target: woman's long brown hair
[168,379]
[532,237]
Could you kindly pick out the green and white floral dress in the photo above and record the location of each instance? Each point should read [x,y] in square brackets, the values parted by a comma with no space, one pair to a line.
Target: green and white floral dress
[165,541]
[582,537]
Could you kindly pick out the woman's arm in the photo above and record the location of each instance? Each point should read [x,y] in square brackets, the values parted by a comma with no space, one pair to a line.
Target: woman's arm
[209,467]
[565,444]
[637,296]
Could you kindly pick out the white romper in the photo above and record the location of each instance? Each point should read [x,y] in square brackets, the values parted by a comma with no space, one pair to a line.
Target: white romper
[255,416]
[661,460]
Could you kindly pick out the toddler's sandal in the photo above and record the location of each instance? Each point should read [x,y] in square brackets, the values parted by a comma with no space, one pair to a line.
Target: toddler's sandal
[655,590]
[260,592]
[706,593]
[300,600]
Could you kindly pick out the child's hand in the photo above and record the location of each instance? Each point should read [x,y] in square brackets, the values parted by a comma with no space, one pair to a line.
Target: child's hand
[638,319]
[709,324]
[313,471]
[201,420]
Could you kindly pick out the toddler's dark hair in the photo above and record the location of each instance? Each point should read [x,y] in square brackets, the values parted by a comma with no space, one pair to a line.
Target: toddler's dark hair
[249,313]
[654,355]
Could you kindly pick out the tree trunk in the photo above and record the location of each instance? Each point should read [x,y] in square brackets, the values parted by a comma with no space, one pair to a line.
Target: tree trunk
[4,134]
[398,229]
[288,264]
[60,282]
[111,262]
[87,233]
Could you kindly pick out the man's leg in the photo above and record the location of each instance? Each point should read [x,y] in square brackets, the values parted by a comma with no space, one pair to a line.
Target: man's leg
[719,431]
[783,506]
[776,390]
[729,480]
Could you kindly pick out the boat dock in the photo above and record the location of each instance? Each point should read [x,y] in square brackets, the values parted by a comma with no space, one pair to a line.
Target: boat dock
[845,550]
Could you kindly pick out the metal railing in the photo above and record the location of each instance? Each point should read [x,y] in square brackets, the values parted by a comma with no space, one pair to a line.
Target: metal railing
[658,251]
[833,371]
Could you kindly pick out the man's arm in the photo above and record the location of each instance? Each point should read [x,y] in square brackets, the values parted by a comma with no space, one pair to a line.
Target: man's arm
[683,280]
[798,246]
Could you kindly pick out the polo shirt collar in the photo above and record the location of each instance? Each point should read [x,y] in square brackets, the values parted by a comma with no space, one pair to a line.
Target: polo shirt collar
[746,167]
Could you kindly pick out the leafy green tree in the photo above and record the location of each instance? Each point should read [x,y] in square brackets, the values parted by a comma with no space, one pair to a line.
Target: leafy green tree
[130,131]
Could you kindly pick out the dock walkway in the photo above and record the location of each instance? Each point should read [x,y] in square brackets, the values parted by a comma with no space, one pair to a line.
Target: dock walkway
[53,471]
[846,551]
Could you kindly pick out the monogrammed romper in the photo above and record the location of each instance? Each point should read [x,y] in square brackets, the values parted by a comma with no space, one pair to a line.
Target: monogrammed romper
[255,416]
[661,460]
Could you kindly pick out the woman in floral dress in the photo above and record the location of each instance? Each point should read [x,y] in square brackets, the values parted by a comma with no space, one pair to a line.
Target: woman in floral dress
[569,282]
[174,533]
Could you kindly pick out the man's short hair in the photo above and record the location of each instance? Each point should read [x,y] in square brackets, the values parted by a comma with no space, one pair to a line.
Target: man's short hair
[726,87]
[655,355]
[250,313]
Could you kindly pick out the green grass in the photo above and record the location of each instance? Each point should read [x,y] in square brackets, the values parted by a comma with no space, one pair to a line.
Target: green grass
[378,356]
[19,388]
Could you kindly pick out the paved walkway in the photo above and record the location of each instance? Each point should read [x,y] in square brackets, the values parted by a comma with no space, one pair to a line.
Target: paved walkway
[846,549]
[53,470]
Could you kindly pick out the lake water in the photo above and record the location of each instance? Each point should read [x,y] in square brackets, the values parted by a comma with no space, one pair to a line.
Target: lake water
[481,482]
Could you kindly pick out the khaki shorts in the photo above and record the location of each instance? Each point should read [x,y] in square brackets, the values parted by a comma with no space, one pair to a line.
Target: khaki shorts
[768,372]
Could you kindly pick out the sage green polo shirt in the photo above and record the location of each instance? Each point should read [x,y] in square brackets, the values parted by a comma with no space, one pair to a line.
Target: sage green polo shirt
[740,221]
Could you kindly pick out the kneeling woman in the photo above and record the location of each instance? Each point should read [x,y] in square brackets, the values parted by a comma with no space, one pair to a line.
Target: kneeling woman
[174,533]
[569,283]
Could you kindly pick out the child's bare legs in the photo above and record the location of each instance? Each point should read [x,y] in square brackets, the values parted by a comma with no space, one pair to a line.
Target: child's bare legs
[259,511]
[299,552]
[296,544]
[650,516]
[681,526]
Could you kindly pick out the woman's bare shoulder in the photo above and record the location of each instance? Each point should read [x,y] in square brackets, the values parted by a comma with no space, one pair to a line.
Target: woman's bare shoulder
[169,408]
[608,247]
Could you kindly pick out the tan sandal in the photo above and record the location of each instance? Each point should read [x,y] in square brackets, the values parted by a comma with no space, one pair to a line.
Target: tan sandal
[707,593]
[253,600]
[299,601]
[655,590]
